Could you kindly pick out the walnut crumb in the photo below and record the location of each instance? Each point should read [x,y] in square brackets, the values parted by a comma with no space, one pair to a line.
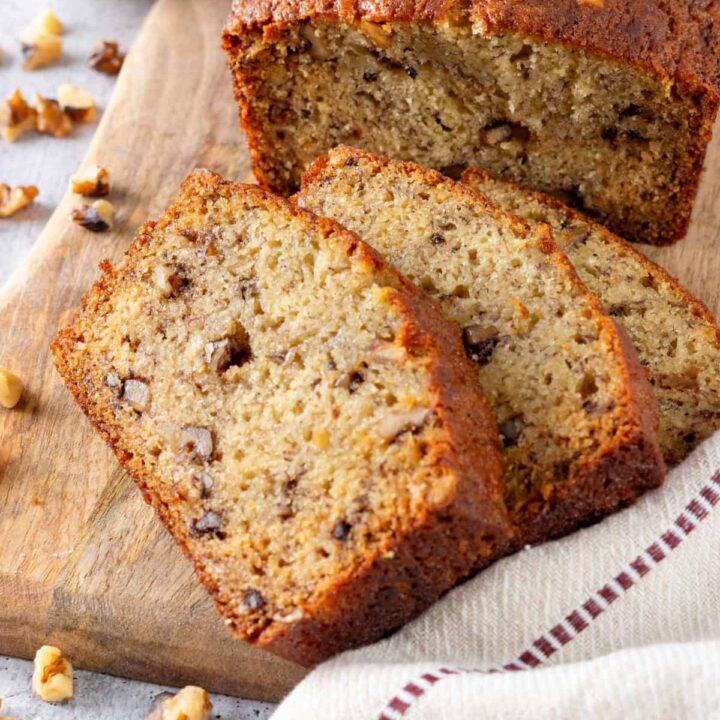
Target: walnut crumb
[16,117]
[11,388]
[14,199]
[106,57]
[51,119]
[39,47]
[93,181]
[76,102]
[52,679]
[97,217]
[191,703]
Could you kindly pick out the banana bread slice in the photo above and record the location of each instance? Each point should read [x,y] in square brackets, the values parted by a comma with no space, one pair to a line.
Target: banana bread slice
[304,420]
[576,415]
[677,339]
[607,104]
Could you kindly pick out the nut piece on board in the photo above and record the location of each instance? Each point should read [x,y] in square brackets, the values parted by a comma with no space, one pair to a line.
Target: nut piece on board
[191,703]
[77,103]
[16,117]
[14,199]
[11,388]
[52,679]
[48,22]
[96,217]
[39,48]
[93,181]
[106,57]
[51,119]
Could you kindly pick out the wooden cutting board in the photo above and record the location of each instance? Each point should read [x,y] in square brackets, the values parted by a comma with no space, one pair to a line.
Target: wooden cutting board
[83,562]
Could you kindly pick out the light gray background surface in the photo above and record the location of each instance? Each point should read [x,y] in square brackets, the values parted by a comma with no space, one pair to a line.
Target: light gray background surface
[48,163]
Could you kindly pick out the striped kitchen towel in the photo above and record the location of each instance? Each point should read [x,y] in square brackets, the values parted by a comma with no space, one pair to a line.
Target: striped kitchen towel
[620,620]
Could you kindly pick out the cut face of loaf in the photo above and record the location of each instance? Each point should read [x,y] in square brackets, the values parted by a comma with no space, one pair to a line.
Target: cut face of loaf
[561,96]
[576,415]
[677,339]
[302,418]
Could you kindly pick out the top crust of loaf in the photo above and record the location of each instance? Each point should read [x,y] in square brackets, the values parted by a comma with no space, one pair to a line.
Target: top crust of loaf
[439,545]
[678,40]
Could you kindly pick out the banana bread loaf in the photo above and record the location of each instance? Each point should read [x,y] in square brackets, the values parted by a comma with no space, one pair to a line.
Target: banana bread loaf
[304,420]
[607,104]
[575,413]
[677,339]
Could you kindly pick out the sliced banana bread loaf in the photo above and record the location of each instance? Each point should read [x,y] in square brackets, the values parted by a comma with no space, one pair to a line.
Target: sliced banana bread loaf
[576,415]
[304,420]
[606,103]
[677,339]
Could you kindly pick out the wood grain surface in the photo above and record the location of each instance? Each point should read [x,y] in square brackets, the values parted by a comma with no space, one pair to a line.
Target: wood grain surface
[83,562]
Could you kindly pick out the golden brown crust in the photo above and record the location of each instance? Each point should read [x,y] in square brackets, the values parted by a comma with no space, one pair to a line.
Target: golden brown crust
[679,39]
[627,462]
[437,550]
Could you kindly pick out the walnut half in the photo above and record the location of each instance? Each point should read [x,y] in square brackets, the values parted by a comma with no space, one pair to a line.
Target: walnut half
[14,199]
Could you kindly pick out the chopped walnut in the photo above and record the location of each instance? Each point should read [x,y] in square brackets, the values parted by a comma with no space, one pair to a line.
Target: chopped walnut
[16,117]
[93,181]
[52,679]
[51,119]
[14,199]
[11,388]
[137,394]
[379,35]
[96,217]
[77,103]
[191,703]
[106,57]
[197,441]
[397,423]
[169,279]
[39,48]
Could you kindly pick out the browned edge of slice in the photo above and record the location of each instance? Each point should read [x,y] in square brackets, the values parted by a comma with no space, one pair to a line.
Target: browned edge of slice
[626,463]
[436,550]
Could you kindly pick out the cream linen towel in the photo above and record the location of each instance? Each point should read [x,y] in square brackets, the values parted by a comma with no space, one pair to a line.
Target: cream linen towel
[620,620]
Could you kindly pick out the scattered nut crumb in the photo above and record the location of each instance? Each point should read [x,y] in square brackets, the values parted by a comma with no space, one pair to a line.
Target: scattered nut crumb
[14,199]
[50,117]
[191,703]
[96,217]
[93,181]
[77,103]
[16,117]
[106,57]
[39,48]
[52,679]
[48,22]
[36,501]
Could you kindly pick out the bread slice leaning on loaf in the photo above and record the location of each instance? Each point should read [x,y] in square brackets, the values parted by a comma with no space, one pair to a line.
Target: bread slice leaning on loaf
[577,416]
[303,419]
[676,336]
